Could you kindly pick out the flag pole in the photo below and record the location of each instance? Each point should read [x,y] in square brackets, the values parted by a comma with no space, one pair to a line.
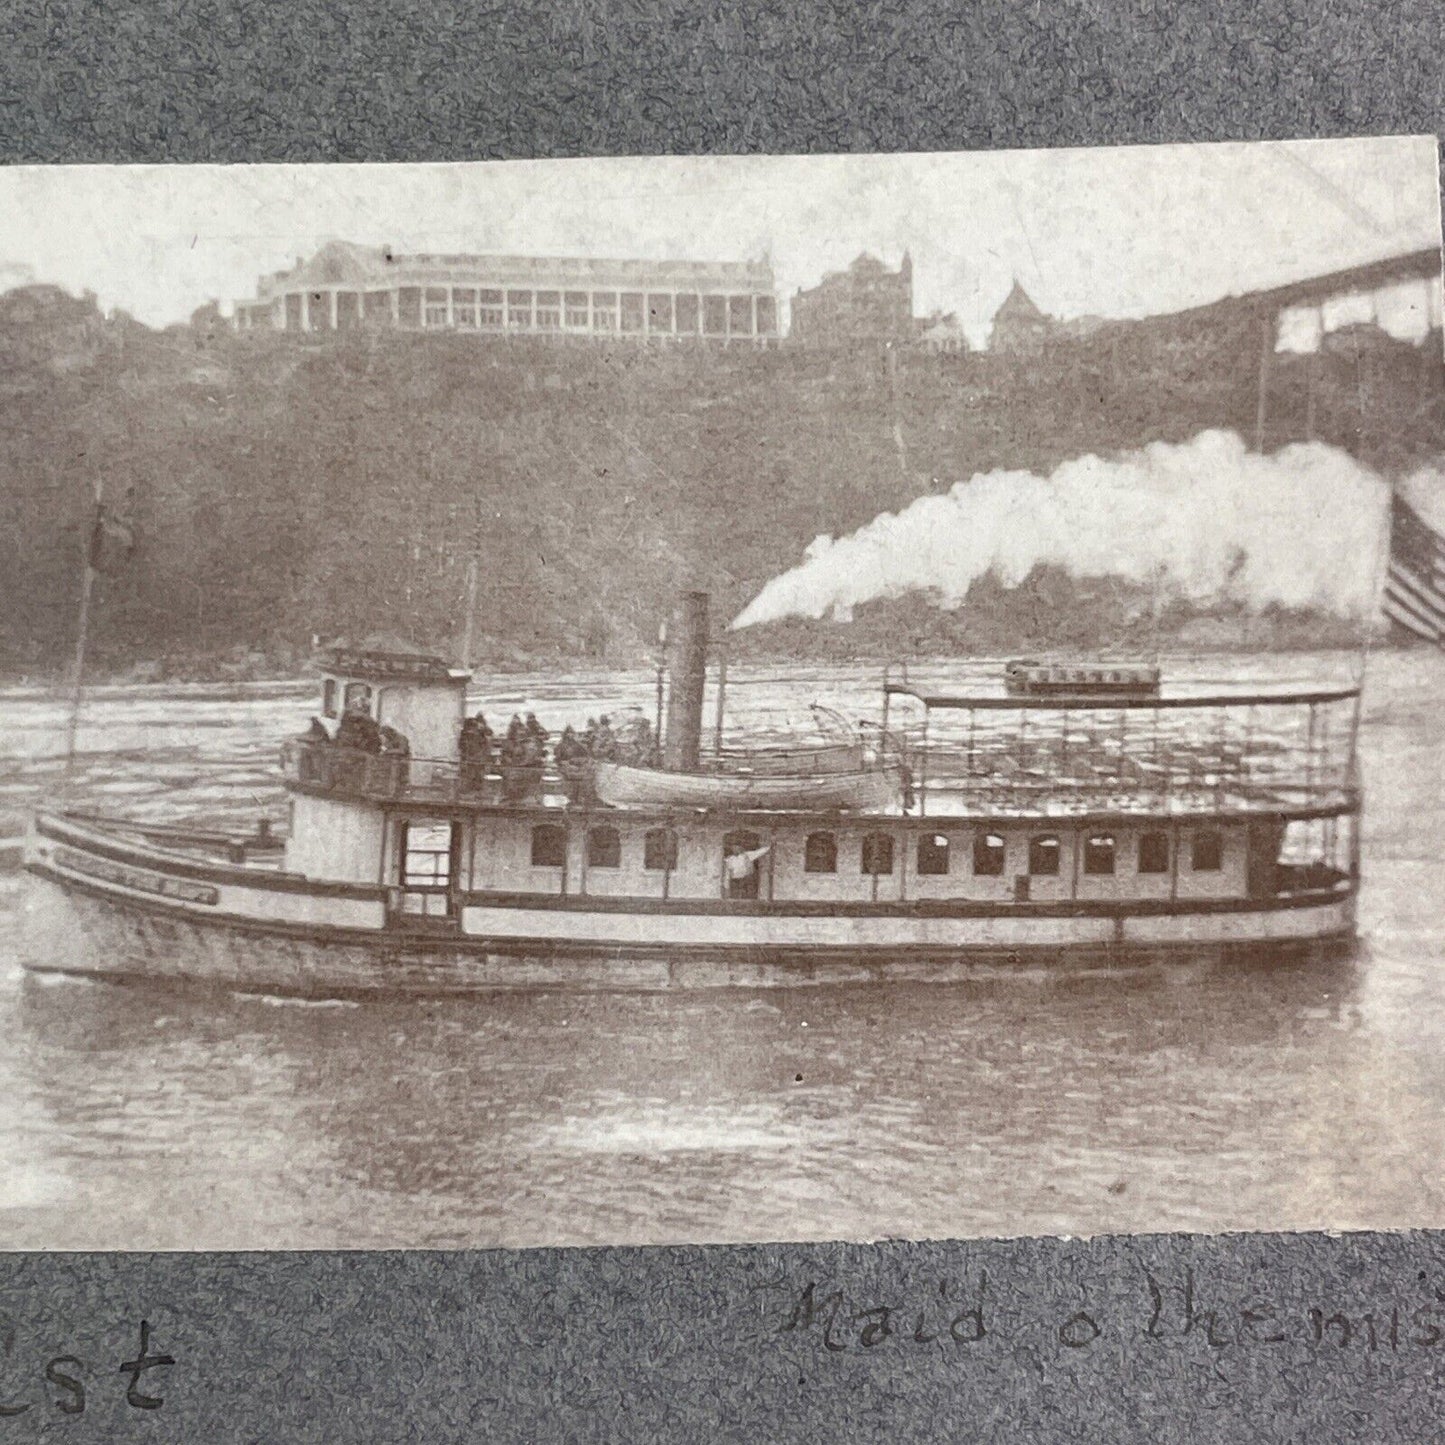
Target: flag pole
[82,631]
[1384,549]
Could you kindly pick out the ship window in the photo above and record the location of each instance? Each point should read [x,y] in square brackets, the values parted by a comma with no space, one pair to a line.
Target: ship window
[358,697]
[742,853]
[604,848]
[659,850]
[820,853]
[549,846]
[427,855]
[1044,855]
[988,855]
[1207,851]
[933,854]
[1099,854]
[877,853]
[1154,852]
[328,698]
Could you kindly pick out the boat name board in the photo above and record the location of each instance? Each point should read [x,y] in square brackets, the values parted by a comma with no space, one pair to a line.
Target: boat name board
[140,879]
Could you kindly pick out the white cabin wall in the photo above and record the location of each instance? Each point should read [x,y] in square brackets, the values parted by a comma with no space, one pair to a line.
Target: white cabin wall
[334,840]
[1046,887]
[1231,879]
[792,881]
[502,857]
[623,881]
[696,877]
[428,715]
[960,880]
[698,874]
[497,857]
[1126,881]
[850,883]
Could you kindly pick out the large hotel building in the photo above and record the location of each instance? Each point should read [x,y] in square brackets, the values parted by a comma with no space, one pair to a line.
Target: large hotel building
[345,287]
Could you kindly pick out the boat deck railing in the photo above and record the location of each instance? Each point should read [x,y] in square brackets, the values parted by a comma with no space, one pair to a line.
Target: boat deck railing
[349,772]
[1065,797]
[1178,783]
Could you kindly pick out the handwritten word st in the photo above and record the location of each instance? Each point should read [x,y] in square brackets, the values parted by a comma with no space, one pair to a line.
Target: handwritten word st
[63,1380]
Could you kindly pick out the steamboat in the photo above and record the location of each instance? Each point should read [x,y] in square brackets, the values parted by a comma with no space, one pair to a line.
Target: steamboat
[1046,819]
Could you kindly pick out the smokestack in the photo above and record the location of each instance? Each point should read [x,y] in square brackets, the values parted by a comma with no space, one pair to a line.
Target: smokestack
[686,674]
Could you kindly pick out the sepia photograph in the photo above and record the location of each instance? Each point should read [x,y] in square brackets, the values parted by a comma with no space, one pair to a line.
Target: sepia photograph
[715,699]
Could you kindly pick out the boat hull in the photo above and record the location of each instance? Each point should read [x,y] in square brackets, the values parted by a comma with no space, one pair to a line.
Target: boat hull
[90,913]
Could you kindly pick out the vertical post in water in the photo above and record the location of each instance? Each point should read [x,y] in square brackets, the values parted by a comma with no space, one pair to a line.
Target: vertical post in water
[474,568]
[470,622]
[722,687]
[1266,348]
[661,678]
[93,541]
[687,673]
[1310,396]
[922,772]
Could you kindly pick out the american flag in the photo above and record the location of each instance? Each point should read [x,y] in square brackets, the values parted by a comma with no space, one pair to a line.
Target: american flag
[1415,582]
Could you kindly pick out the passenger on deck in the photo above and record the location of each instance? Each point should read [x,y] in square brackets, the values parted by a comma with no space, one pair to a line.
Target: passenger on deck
[634,742]
[395,750]
[604,743]
[514,748]
[358,731]
[574,762]
[536,740]
[317,733]
[474,749]
[570,748]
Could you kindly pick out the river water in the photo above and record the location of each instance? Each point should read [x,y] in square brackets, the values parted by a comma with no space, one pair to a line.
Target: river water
[1184,1097]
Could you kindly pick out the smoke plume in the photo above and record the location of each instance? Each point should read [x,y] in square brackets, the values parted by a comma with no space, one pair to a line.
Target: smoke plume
[1306,526]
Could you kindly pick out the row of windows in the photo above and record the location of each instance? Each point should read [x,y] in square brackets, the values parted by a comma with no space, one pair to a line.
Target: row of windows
[604,848]
[876,850]
[604,310]
[495,309]
[934,857]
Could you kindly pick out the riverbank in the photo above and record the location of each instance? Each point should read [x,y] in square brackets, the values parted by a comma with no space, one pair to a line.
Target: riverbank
[899,636]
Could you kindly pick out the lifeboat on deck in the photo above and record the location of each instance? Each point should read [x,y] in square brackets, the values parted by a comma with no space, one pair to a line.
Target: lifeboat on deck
[829,778]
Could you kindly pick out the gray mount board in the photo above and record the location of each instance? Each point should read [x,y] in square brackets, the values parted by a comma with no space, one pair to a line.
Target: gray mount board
[689,1343]
[1154,1338]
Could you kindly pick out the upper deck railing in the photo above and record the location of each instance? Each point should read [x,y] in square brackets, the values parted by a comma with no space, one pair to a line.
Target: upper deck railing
[1256,750]
[389,777]
[987,774]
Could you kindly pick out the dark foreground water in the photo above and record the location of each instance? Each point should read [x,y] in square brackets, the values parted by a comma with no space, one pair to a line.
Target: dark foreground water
[1178,1098]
